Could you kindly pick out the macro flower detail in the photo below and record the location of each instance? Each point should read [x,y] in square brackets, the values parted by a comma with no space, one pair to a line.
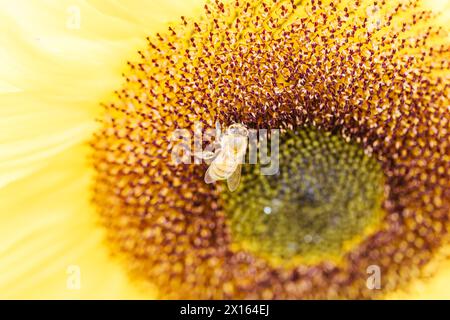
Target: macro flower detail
[342,107]
[368,79]
[326,197]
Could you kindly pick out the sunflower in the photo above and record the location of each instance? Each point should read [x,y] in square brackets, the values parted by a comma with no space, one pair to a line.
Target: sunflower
[92,206]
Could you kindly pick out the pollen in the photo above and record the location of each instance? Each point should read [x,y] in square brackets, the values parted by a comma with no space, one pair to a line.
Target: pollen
[373,73]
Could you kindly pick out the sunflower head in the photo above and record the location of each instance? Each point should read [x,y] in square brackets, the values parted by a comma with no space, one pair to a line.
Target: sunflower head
[360,93]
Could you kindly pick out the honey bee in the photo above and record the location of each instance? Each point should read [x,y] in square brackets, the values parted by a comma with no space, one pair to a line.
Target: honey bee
[226,161]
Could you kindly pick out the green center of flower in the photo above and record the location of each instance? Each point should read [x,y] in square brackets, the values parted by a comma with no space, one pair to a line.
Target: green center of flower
[326,196]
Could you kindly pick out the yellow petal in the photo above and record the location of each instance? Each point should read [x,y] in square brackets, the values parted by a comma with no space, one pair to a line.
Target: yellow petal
[55,76]
[52,81]
[49,227]
[435,287]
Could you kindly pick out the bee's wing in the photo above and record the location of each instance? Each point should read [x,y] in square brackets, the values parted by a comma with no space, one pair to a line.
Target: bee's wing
[205,155]
[210,176]
[235,178]
[208,156]
[213,155]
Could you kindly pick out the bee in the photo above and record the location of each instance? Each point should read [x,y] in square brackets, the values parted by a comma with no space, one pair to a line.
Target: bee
[226,162]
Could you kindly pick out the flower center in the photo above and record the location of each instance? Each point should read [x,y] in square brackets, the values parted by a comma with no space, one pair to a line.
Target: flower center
[325,197]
